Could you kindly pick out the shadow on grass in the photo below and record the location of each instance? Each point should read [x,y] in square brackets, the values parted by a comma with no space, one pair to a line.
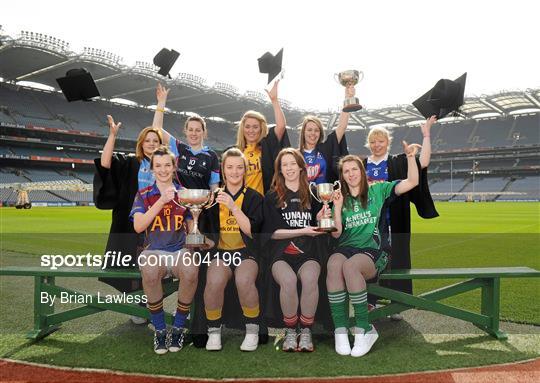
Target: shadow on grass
[400,348]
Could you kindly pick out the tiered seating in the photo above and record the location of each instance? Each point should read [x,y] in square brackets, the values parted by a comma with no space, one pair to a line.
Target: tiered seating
[528,130]
[492,133]
[75,196]
[37,175]
[447,186]
[529,185]
[6,177]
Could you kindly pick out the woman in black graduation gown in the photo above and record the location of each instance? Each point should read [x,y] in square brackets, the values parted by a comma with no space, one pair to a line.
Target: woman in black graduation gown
[322,156]
[382,166]
[116,181]
[261,144]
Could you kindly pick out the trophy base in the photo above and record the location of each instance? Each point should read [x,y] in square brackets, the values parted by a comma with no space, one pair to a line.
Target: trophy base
[326,229]
[196,241]
[352,108]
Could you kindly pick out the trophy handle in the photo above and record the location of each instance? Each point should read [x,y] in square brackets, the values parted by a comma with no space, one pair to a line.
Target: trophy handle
[338,186]
[311,185]
[360,75]
[336,77]
[214,193]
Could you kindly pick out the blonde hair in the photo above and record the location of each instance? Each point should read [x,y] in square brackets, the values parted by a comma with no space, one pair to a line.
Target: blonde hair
[378,132]
[139,152]
[240,138]
[233,152]
[317,121]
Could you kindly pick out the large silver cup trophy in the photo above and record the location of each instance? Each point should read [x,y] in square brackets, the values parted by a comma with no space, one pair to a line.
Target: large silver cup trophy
[325,194]
[196,200]
[350,78]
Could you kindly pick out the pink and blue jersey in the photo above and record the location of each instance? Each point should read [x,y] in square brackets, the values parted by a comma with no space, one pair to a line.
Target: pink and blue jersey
[167,231]
[316,166]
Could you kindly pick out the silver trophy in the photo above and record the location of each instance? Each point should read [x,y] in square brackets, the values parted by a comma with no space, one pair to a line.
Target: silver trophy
[196,200]
[350,78]
[325,194]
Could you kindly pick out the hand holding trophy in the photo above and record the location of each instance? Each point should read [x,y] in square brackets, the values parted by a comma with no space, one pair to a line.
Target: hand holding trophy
[325,194]
[349,79]
[196,200]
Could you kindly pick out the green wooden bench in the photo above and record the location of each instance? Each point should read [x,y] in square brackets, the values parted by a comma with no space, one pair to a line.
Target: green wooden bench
[47,321]
[486,278]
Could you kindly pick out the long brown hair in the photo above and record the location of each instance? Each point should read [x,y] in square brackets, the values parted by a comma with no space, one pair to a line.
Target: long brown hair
[240,138]
[278,182]
[139,152]
[362,197]
[317,121]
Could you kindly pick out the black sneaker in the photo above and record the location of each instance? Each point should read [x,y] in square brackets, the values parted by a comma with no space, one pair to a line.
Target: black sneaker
[175,339]
[160,342]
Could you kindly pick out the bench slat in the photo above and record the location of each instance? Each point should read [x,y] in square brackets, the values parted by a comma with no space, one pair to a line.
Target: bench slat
[37,271]
[481,272]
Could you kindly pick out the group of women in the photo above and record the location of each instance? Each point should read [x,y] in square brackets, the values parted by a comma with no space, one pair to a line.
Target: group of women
[265,215]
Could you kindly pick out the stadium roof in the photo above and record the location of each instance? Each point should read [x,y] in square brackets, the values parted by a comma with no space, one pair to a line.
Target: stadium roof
[39,58]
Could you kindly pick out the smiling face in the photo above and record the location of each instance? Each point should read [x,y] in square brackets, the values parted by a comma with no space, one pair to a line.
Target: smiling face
[150,143]
[352,174]
[290,168]
[234,169]
[163,168]
[378,144]
[252,130]
[312,134]
[195,133]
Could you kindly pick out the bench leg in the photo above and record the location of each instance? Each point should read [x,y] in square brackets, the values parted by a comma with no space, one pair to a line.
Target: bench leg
[41,310]
[491,306]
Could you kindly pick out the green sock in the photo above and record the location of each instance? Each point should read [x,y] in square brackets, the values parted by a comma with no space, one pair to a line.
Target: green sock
[339,307]
[360,305]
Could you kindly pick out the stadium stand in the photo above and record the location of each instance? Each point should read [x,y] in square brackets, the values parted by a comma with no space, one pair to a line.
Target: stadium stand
[495,139]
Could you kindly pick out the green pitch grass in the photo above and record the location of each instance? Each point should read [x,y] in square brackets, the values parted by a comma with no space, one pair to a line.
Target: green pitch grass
[466,235]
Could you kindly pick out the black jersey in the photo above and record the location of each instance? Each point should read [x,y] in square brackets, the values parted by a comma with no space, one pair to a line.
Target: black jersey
[196,169]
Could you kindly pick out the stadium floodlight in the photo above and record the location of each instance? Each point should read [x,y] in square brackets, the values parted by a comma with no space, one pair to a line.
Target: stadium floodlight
[226,88]
[255,95]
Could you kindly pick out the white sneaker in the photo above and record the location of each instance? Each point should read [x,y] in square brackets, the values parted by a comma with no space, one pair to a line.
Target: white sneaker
[137,320]
[251,340]
[343,346]
[363,341]
[214,339]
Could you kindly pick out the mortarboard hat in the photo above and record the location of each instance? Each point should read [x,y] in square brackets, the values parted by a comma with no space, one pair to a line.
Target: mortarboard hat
[445,97]
[78,85]
[165,60]
[268,63]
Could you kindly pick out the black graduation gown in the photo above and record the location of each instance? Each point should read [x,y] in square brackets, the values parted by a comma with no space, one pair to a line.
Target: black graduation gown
[332,151]
[273,221]
[115,189]
[232,312]
[400,216]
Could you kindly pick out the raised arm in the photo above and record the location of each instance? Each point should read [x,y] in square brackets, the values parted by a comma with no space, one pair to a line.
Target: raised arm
[161,96]
[279,116]
[344,116]
[425,153]
[106,154]
[412,170]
